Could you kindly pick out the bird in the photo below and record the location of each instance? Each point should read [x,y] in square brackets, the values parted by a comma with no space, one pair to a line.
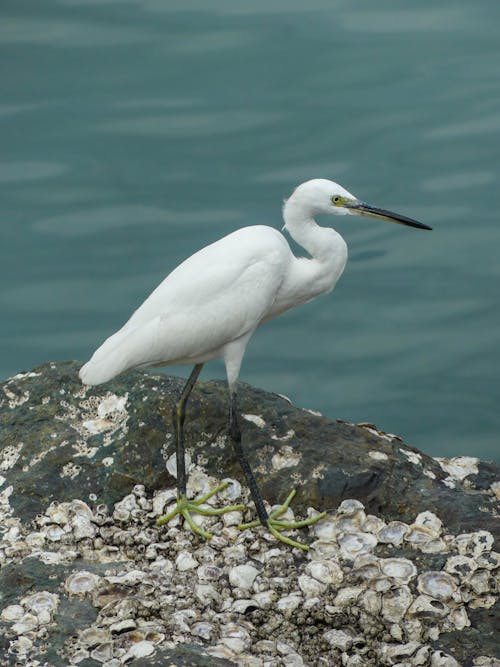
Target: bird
[212,303]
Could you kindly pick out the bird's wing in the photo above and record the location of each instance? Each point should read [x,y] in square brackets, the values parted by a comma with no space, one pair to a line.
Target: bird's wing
[214,297]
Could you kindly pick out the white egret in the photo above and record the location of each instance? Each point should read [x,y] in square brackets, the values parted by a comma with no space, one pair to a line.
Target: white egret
[211,304]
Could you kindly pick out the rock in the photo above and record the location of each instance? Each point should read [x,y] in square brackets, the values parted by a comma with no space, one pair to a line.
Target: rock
[406,562]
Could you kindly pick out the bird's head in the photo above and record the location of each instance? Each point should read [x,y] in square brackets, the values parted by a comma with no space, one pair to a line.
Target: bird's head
[321,196]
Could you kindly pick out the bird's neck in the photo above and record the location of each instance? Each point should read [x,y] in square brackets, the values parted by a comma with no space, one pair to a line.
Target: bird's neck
[320,242]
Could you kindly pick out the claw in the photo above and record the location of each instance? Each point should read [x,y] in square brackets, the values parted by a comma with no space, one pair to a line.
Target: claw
[275,526]
[185,507]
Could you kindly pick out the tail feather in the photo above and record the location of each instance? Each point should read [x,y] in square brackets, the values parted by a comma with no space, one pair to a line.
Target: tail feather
[130,347]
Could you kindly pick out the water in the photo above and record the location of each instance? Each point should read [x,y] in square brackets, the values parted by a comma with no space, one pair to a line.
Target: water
[134,132]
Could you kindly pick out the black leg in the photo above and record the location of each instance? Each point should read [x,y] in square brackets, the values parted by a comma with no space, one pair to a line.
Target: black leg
[178,417]
[235,435]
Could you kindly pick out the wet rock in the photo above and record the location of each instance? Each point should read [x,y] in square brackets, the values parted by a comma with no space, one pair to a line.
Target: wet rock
[401,570]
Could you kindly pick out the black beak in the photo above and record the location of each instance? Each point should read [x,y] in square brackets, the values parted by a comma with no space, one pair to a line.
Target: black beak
[362,208]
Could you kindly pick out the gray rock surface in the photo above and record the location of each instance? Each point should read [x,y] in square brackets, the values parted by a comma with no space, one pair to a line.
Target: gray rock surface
[61,441]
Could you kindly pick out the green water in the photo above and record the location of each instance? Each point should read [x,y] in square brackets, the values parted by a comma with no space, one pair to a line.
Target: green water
[133,132]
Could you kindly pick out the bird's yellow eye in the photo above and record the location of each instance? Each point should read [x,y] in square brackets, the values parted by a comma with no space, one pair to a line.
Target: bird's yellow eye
[336,200]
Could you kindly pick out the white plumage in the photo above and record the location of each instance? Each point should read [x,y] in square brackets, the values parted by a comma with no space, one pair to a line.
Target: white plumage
[210,305]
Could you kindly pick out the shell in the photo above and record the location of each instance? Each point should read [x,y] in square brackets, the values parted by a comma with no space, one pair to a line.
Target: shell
[235,637]
[420,534]
[185,561]
[321,549]
[430,521]
[242,576]
[25,624]
[325,571]
[373,524]
[42,601]
[400,569]
[474,544]
[356,544]
[209,572]
[393,533]
[459,618]
[310,586]
[140,650]
[488,560]
[289,603]
[436,584]
[326,529]
[91,637]
[232,492]
[395,603]
[265,599]
[481,581]
[82,527]
[461,566]
[103,652]
[245,606]
[161,499]
[81,582]
[350,507]
[371,601]
[367,566]
[12,613]
[441,659]
[338,639]
[426,607]
[203,629]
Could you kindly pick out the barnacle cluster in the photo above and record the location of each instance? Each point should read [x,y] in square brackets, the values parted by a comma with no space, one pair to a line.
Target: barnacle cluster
[368,592]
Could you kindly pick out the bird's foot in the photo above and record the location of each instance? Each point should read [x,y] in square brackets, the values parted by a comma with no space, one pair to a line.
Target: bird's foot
[275,526]
[185,507]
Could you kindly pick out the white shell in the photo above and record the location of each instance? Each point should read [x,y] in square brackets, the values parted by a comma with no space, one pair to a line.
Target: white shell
[461,566]
[232,492]
[242,576]
[209,572]
[338,639]
[162,499]
[81,582]
[203,629]
[355,544]
[325,571]
[12,613]
[103,652]
[436,584]
[326,529]
[373,524]
[350,507]
[393,533]
[441,659]
[395,603]
[474,544]
[481,582]
[42,601]
[311,587]
[459,618]
[266,599]
[185,561]
[25,624]
[371,601]
[400,569]
[426,607]
[488,560]
[419,534]
[429,520]
[244,605]
[82,527]
[289,603]
[139,650]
